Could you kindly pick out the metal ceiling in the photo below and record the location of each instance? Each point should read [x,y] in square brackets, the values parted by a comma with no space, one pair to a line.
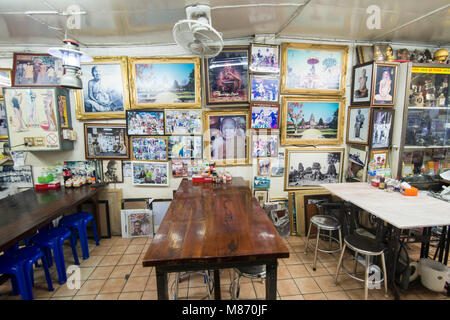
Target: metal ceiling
[121,23]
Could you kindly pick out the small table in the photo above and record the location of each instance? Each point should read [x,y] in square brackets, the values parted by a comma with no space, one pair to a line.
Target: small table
[215,226]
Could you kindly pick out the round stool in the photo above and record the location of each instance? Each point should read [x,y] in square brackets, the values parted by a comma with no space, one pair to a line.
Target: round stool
[252,272]
[326,223]
[369,248]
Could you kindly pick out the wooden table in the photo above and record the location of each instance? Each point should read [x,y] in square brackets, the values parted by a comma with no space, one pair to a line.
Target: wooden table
[25,212]
[210,227]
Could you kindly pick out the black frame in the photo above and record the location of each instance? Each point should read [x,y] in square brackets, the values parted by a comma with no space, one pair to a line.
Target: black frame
[372,123]
[369,97]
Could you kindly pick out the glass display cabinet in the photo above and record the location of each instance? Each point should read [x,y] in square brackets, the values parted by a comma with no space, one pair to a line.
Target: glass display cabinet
[422,145]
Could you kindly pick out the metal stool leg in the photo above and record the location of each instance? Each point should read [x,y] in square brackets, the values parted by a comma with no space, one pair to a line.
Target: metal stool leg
[307,238]
[356,262]
[340,239]
[329,241]
[366,281]
[385,275]
[317,247]
[177,282]
[339,264]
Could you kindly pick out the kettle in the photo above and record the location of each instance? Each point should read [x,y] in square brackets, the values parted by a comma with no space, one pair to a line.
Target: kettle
[433,274]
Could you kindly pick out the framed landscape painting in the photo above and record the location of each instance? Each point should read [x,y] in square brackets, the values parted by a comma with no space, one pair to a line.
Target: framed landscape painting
[307,168]
[313,69]
[358,125]
[105,92]
[312,120]
[164,82]
[36,70]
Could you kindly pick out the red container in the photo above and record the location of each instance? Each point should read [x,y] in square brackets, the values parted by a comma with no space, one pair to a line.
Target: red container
[198,179]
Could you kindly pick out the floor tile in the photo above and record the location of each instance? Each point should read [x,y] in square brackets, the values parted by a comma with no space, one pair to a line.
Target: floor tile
[91,287]
[87,297]
[314,296]
[128,259]
[307,285]
[284,273]
[113,285]
[337,295]
[139,241]
[151,283]
[64,291]
[358,294]
[196,293]
[135,284]
[287,288]
[108,296]
[150,295]
[298,271]
[121,271]
[134,249]
[320,269]
[139,270]
[115,250]
[110,260]
[86,272]
[122,242]
[101,272]
[296,297]
[92,261]
[130,296]
[326,284]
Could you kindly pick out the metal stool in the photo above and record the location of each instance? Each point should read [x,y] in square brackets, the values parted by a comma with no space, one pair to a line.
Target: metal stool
[369,248]
[327,223]
[253,272]
[179,277]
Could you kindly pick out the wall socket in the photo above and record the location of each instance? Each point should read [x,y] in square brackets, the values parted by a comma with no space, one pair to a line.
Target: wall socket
[28,141]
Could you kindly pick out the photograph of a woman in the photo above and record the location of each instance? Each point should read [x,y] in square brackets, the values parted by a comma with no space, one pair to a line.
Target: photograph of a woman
[384,86]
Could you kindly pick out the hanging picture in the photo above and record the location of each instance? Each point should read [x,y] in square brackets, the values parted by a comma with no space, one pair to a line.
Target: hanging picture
[137,223]
[36,70]
[313,69]
[227,77]
[357,156]
[180,168]
[3,120]
[145,122]
[382,128]
[62,110]
[362,84]
[5,79]
[89,168]
[105,89]
[164,82]
[149,148]
[380,157]
[261,183]
[308,168]
[13,177]
[264,115]
[263,166]
[358,124]
[384,84]
[185,147]
[150,173]
[264,88]
[227,141]
[261,196]
[264,58]
[312,120]
[105,141]
[277,166]
[265,145]
[183,121]
[112,171]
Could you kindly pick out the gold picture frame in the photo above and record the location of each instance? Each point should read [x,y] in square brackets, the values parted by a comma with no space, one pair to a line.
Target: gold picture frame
[379,151]
[132,153]
[80,109]
[207,135]
[319,51]
[2,83]
[312,136]
[166,101]
[3,106]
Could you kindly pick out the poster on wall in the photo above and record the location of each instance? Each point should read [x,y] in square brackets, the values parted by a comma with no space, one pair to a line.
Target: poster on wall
[36,70]
[14,177]
[185,147]
[264,88]
[183,121]
[149,148]
[105,141]
[145,122]
[150,173]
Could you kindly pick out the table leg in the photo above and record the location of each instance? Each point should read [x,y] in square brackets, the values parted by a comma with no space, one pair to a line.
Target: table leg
[97,216]
[271,280]
[393,249]
[217,295]
[161,284]
[447,246]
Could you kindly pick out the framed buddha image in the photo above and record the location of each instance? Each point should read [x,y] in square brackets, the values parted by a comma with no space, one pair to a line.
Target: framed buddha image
[384,84]
[362,84]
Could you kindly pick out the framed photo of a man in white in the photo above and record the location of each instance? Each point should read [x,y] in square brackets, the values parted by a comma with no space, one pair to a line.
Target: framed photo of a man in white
[307,168]
[112,171]
[362,83]
[358,124]
[105,92]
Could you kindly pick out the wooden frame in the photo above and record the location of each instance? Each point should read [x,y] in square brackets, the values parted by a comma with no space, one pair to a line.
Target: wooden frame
[264,194]
[166,111]
[166,102]
[368,121]
[300,210]
[369,76]
[133,138]
[318,100]
[224,101]
[208,131]
[309,173]
[393,89]
[127,118]
[380,151]
[106,125]
[105,171]
[286,46]
[374,111]
[273,70]
[260,173]
[35,72]
[262,105]
[81,113]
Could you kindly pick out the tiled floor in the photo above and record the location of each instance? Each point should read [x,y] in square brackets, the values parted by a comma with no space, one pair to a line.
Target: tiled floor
[114,271]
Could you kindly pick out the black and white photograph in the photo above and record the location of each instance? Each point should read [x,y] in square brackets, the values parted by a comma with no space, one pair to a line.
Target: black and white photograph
[150,173]
[358,124]
[382,128]
[308,168]
[149,148]
[362,84]
[145,122]
[183,121]
[112,171]
[12,178]
[107,141]
[185,147]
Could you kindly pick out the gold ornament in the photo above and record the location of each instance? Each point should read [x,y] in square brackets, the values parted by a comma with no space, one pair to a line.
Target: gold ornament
[441,55]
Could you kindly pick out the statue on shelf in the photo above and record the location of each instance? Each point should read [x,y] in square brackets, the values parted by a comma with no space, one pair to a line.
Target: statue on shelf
[403,55]
[389,55]
[377,54]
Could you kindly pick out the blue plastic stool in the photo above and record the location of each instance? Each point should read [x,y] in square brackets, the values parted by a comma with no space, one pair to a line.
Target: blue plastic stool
[19,265]
[79,221]
[52,240]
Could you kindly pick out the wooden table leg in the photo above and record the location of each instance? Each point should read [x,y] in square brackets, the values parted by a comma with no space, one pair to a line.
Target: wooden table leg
[97,216]
[393,249]
[161,284]
[271,280]
[217,295]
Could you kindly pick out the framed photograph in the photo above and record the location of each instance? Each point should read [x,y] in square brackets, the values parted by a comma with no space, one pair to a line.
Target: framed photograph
[357,156]
[227,141]
[265,145]
[264,88]
[14,177]
[384,84]
[105,92]
[149,148]
[112,171]
[263,166]
[261,196]
[383,120]
[313,69]
[277,167]
[227,77]
[261,183]
[145,122]
[183,121]
[307,168]
[36,70]
[264,58]
[312,120]
[185,147]
[380,157]
[106,141]
[164,82]
[91,168]
[3,120]
[150,173]
[5,78]
[362,84]
[365,54]
[180,168]
[265,115]
[137,223]
[358,125]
